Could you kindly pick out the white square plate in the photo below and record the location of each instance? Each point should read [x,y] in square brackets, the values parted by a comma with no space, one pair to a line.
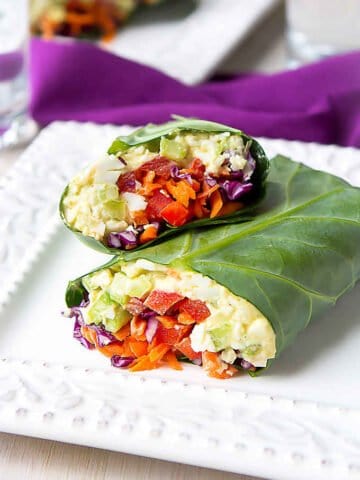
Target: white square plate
[187,39]
[300,420]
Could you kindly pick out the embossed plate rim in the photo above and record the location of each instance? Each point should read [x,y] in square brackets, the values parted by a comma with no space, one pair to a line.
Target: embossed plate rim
[64,402]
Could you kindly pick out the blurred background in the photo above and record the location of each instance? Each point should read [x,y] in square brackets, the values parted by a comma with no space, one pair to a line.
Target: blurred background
[188,40]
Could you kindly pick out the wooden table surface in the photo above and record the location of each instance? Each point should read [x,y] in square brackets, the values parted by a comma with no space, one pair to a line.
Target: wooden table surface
[24,458]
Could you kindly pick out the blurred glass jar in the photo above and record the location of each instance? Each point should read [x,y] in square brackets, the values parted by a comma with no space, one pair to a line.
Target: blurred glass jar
[15,125]
[319,28]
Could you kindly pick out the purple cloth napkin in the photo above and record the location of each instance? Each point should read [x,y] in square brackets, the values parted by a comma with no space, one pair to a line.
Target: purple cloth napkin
[78,81]
[10,65]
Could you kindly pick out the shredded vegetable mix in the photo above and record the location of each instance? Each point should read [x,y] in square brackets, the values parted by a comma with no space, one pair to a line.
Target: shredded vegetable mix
[162,179]
[157,334]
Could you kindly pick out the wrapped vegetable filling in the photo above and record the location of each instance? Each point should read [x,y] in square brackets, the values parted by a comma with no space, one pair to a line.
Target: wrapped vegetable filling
[234,297]
[163,179]
[151,313]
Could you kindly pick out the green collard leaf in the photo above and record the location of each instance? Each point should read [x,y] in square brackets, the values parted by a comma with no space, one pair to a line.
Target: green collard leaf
[293,261]
[75,293]
[151,132]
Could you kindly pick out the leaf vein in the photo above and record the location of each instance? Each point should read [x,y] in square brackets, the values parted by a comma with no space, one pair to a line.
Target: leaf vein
[264,223]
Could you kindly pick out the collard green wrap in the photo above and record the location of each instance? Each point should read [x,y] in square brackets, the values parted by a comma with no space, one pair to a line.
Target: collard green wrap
[293,261]
[150,136]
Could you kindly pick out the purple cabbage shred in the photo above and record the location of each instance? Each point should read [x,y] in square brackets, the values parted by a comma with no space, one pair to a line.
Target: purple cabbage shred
[176,175]
[235,190]
[103,337]
[211,181]
[147,314]
[247,365]
[126,240]
[237,175]
[249,169]
[121,362]
[77,329]
[151,328]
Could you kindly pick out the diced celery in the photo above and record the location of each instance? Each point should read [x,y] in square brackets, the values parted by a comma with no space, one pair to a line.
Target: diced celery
[120,320]
[251,350]
[116,289]
[138,286]
[100,279]
[221,336]
[172,149]
[123,287]
[116,209]
[107,312]
[106,192]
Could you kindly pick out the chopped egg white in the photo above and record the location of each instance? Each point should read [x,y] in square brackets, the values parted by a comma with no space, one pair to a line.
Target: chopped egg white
[108,169]
[135,202]
[228,355]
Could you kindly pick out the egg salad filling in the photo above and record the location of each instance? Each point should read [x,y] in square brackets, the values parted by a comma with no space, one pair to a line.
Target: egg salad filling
[144,315]
[129,199]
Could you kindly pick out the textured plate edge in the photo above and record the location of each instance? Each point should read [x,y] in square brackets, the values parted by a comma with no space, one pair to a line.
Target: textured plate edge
[15,280]
[173,443]
[36,250]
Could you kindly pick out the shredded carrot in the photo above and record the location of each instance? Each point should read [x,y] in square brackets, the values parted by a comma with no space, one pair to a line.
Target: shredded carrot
[148,184]
[149,189]
[111,349]
[127,352]
[152,344]
[185,319]
[185,348]
[181,191]
[148,234]
[207,191]
[195,185]
[230,207]
[143,363]
[216,203]
[138,348]
[198,209]
[158,352]
[172,361]
[123,332]
[149,177]
[215,367]
[140,217]
[88,334]
[167,321]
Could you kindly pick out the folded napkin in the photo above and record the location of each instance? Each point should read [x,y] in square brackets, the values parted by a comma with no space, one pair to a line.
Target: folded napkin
[79,81]
[10,65]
